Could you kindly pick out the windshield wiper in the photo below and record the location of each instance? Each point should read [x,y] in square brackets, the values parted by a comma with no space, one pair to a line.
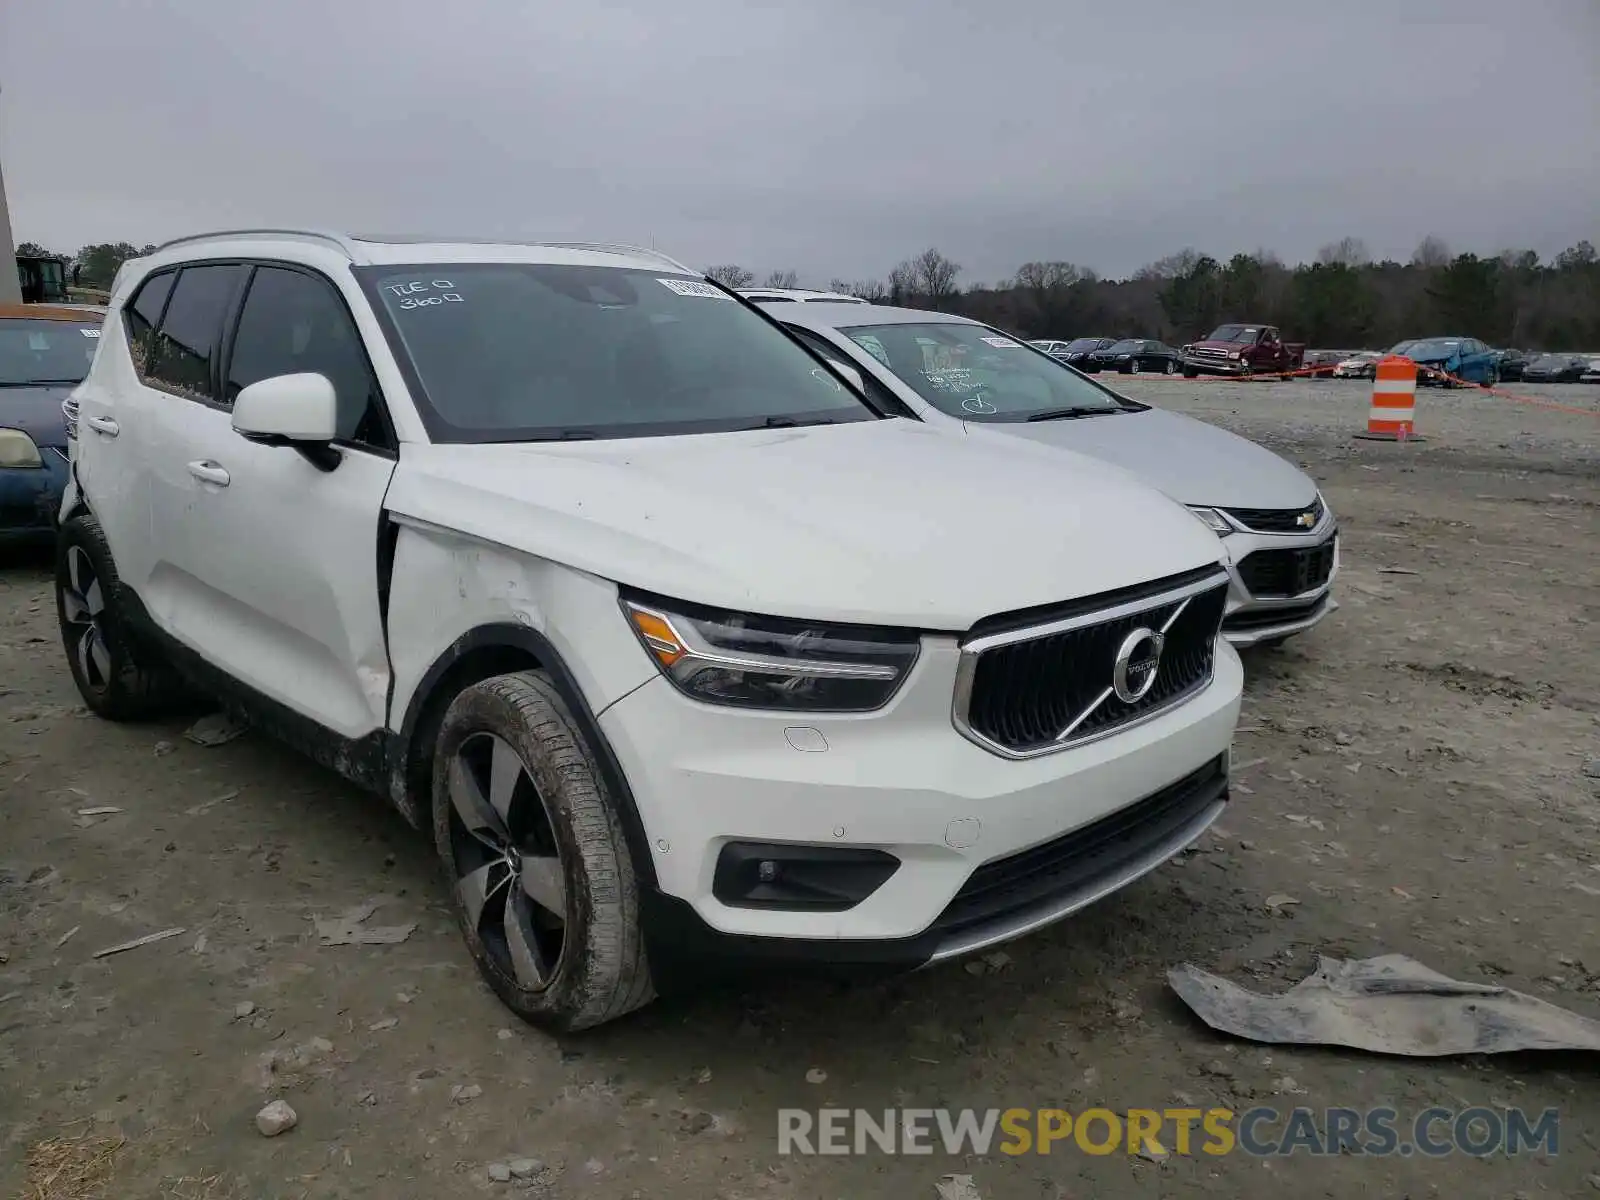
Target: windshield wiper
[1076,410]
[787,423]
[40,382]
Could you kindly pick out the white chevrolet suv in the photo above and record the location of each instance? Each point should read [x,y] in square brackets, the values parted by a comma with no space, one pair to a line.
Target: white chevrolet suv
[687,657]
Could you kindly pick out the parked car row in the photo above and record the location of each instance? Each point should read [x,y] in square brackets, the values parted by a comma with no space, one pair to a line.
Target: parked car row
[797,633]
[1127,356]
[1472,361]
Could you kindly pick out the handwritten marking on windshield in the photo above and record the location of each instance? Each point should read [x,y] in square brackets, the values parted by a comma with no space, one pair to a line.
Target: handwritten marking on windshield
[424,293]
[977,404]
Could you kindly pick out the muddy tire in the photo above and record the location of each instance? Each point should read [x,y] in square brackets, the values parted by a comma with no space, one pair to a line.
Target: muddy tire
[1189,372]
[119,678]
[535,857]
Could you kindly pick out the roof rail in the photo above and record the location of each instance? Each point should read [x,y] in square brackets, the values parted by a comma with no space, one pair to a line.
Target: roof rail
[479,240]
[317,235]
[623,248]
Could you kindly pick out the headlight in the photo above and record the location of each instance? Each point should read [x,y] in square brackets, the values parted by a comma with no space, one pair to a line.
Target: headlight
[17,450]
[1233,354]
[1213,520]
[775,663]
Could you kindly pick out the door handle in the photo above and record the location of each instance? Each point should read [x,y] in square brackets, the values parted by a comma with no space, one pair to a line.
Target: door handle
[103,425]
[209,471]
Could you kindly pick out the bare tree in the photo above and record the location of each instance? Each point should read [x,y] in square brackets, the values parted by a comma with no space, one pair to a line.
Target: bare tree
[874,291]
[1430,252]
[1170,267]
[782,279]
[935,276]
[730,276]
[903,284]
[1346,252]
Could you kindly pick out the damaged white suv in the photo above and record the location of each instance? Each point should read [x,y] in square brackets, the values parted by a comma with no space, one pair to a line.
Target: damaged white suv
[686,656]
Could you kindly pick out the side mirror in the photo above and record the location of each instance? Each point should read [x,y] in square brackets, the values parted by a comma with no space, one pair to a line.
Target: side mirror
[288,410]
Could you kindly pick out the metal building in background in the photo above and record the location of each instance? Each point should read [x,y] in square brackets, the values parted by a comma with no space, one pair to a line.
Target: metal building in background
[10,288]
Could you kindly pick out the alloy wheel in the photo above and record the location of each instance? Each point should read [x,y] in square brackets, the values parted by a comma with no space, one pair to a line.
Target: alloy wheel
[83,603]
[1172,367]
[510,879]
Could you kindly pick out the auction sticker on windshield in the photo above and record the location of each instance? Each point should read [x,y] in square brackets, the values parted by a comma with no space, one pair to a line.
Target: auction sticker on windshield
[1003,343]
[693,287]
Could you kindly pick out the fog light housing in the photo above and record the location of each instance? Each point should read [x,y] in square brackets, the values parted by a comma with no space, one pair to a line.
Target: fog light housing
[799,878]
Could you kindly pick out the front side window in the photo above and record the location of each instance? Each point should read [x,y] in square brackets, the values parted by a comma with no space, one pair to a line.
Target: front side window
[184,349]
[503,352]
[976,373]
[35,353]
[293,322]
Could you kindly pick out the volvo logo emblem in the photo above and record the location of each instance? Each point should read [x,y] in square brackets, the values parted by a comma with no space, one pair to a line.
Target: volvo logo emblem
[1137,664]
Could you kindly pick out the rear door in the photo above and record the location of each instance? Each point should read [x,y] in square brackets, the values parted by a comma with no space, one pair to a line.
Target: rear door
[115,429]
[273,573]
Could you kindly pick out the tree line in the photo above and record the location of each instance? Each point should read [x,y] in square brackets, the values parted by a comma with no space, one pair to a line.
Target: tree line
[1343,299]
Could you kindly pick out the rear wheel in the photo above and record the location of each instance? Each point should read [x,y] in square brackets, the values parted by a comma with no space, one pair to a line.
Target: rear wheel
[1171,368]
[534,854]
[118,678]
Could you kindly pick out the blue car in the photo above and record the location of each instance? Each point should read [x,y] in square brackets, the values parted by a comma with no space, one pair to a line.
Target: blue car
[1460,358]
[45,351]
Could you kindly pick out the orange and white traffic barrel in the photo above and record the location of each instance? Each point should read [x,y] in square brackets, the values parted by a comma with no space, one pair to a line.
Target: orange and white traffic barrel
[1394,402]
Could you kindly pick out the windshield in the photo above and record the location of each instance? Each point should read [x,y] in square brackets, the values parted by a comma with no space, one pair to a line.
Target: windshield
[37,352]
[1128,346]
[1551,362]
[1235,333]
[507,352]
[1085,343]
[976,373]
[1437,348]
[1402,347]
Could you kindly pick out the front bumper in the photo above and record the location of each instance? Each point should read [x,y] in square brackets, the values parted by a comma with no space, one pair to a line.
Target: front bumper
[905,782]
[30,497]
[1215,366]
[1252,618]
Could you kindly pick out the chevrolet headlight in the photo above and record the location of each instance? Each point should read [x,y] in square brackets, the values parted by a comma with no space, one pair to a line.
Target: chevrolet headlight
[748,661]
[17,450]
[1213,520]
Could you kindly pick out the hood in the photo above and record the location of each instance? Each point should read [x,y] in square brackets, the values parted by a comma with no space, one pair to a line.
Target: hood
[1191,461]
[36,411]
[882,522]
[1207,344]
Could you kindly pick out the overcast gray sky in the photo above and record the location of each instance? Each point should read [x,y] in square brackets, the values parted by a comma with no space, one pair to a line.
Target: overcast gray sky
[832,136]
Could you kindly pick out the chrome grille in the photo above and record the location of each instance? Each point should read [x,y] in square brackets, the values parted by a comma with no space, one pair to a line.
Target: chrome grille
[1041,687]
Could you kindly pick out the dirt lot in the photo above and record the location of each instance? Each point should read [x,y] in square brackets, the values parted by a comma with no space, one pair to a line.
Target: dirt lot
[1413,775]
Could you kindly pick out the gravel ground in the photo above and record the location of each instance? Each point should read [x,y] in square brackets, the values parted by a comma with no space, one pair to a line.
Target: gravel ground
[1413,780]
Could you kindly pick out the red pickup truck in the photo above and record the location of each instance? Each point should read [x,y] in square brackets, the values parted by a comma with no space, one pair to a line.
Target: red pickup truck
[1242,349]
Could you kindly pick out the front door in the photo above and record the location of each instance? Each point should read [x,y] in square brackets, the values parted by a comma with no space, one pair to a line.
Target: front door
[274,561]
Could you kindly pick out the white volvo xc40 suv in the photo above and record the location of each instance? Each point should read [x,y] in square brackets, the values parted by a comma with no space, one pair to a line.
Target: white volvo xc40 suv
[686,656]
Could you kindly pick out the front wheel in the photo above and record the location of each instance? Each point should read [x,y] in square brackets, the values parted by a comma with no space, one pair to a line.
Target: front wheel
[1132,367]
[118,678]
[1190,372]
[534,854]
[1491,378]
